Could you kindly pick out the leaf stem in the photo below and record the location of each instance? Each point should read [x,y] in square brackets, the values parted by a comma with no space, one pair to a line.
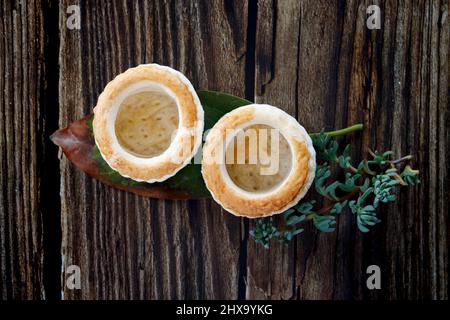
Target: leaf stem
[344,131]
[348,196]
[405,158]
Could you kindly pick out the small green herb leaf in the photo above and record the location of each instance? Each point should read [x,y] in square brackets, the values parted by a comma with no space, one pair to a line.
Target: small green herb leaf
[410,176]
[264,231]
[324,223]
[294,219]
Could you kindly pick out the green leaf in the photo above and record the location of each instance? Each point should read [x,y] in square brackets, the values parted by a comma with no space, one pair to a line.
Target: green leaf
[324,223]
[331,190]
[288,212]
[410,176]
[288,235]
[369,208]
[297,231]
[381,158]
[366,185]
[294,219]
[338,207]
[323,172]
[350,180]
[383,185]
[305,207]
[217,104]
[326,148]
[361,225]
[365,216]
[363,197]
[364,167]
[387,154]
[344,159]
[264,231]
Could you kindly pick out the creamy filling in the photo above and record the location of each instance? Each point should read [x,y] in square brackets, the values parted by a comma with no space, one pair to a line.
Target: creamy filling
[145,123]
[249,174]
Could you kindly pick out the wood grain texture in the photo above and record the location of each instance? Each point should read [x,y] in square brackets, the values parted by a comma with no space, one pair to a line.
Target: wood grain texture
[26,213]
[128,246]
[316,60]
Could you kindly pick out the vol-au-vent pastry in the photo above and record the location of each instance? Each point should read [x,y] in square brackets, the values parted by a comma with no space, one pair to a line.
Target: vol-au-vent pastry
[148,123]
[258,161]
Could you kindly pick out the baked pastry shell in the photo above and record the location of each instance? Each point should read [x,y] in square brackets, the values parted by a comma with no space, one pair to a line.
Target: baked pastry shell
[189,132]
[258,204]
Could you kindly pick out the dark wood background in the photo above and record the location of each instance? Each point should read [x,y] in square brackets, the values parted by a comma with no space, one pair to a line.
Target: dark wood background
[315,59]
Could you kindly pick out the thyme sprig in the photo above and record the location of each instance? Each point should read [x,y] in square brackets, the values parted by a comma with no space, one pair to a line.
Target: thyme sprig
[363,188]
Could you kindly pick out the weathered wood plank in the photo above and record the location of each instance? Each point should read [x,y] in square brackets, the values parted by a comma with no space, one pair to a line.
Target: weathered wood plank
[128,246]
[318,59]
[271,272]
[295,71]
[26,177]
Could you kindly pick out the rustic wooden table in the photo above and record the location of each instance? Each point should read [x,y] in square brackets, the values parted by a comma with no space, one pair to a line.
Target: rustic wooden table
[315,59]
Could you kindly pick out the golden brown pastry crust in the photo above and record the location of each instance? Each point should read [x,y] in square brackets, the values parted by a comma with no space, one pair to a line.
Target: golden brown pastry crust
[240,203]
[191,119]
